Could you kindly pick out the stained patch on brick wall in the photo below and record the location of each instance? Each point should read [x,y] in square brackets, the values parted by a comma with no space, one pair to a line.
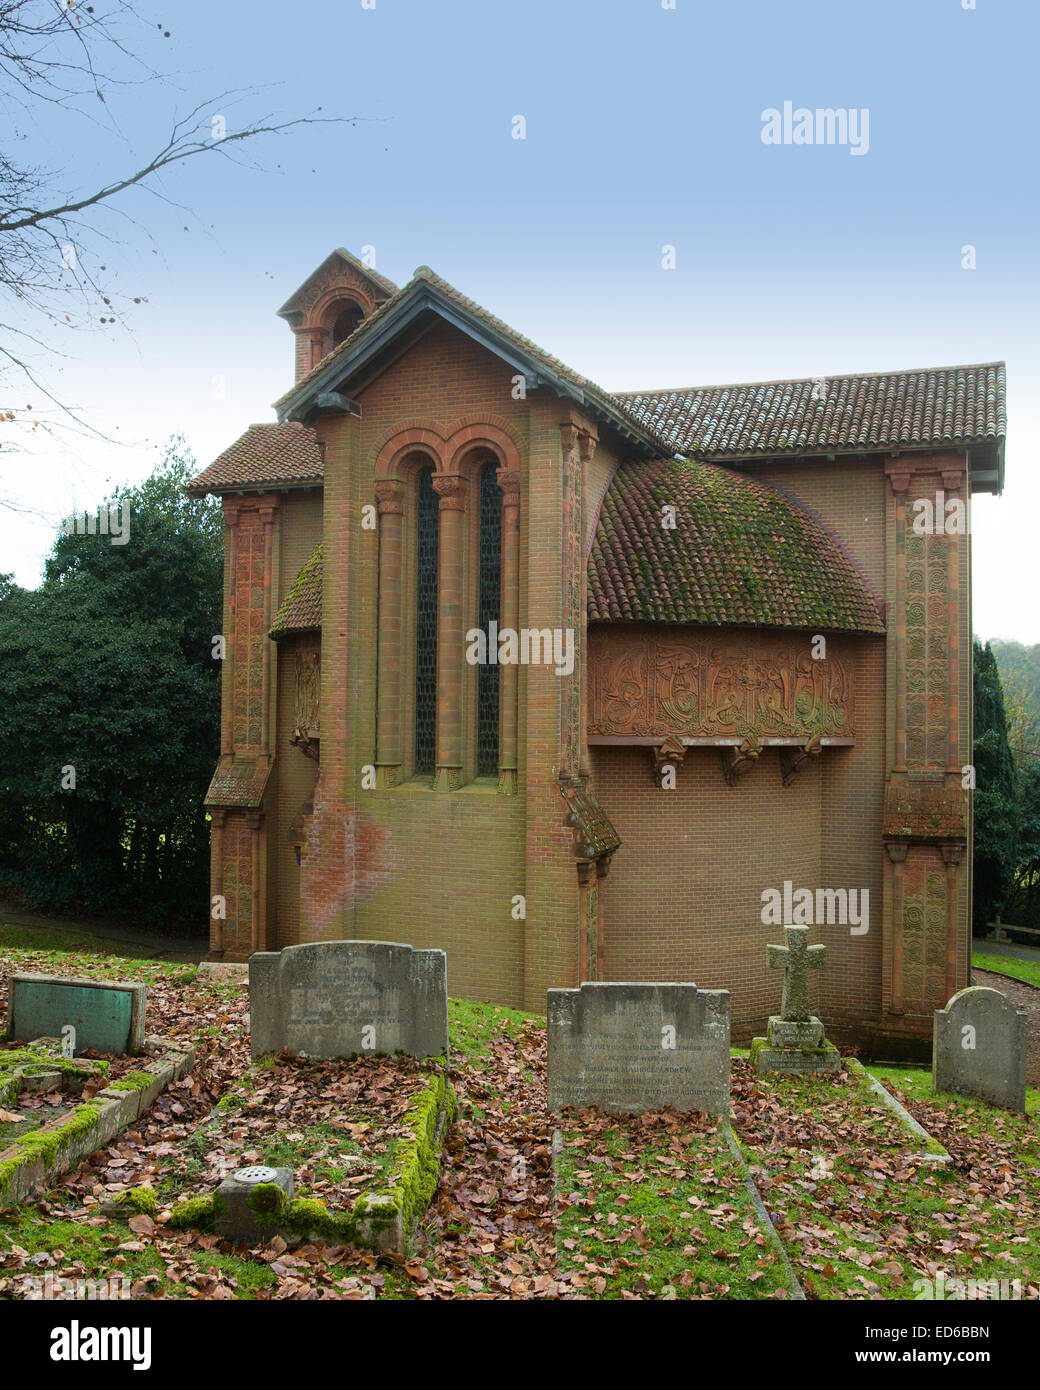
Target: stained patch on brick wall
[342,865]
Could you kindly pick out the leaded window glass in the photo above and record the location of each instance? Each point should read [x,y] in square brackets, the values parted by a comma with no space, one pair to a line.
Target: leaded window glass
[487,613]
[426,626]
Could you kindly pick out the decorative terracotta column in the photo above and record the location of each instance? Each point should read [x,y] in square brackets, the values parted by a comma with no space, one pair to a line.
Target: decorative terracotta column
[508,675]
[390,502]
[585,878]
[253,820]
[602,869]
[953,479]
[897,852]
[216,924]
[232,512]
[267,516]
[951,854]
[448,768]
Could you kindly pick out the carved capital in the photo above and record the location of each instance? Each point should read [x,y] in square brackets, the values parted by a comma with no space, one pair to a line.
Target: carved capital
[509,481]
[897,851]
[451,489]
[952,853]
[390,496]
[586,445]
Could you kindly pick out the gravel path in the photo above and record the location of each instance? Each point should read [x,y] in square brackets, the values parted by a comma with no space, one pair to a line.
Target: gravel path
[1024,997]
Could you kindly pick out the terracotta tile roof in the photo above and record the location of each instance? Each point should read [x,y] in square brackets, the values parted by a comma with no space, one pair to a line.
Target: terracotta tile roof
[602,400]
[264,455]
[301,611]
[300,296]
[922,409]
[239,781]
[741,553]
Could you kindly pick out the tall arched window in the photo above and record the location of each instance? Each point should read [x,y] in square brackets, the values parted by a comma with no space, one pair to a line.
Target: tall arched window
[488,611]
[426,625]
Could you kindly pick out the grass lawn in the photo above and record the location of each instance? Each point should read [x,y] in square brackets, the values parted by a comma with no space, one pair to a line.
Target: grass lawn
[1015,969]
[655,1211]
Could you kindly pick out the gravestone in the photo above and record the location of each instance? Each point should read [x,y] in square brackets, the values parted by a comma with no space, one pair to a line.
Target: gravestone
[794,1041]
[979,1048]
[250,1202]
[107,1015]
[342,998]
[638,1047]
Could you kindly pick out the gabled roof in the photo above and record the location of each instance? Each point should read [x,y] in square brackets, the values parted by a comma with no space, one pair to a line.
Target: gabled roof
[301,610]
[427,295]
[382,286]
[266,455]
[927,408]
[741,553]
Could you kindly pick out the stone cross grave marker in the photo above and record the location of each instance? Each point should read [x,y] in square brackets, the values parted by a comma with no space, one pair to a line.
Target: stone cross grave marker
[638,1047]
[979,1048]
[106,1015]
[345,998]
[796,959]
[794,1040]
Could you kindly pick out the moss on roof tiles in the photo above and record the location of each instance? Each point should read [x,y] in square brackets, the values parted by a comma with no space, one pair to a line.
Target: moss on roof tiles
[741,553]
[301,611]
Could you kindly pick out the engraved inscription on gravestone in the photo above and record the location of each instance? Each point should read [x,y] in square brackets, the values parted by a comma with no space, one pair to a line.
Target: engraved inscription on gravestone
[342,998]
[638,1047]
[979,1048]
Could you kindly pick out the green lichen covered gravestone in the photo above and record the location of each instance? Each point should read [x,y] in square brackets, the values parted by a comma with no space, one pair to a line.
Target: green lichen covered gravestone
[794,1041]
[107,1015]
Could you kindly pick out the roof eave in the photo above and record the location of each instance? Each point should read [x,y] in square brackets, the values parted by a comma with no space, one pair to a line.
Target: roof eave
[254,485]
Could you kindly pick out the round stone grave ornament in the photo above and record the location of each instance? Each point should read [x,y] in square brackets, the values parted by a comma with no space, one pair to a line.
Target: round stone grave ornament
[256,1172]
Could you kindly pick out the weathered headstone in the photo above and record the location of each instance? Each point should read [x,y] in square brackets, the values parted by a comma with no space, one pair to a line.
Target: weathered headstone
[794,1041]
[107,1015]
[979,1048]
[638,1047]
[342,998]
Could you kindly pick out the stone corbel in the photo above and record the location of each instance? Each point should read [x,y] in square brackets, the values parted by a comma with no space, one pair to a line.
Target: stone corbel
[737,761]
[586,445]
[307,741]
[792,760]
[668,754]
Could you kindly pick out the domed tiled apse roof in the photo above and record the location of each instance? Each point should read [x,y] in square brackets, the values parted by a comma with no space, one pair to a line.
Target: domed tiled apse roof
[741,553]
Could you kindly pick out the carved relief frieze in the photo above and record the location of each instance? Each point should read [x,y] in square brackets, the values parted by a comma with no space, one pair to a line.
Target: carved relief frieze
[725,687]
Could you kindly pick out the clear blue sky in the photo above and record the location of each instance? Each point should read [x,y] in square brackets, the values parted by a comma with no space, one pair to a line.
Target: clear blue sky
[643,129]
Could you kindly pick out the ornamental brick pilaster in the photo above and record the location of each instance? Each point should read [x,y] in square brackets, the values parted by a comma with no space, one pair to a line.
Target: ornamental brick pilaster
[390,494]
[448,768]
[925,821]
[268,516]
[232,512]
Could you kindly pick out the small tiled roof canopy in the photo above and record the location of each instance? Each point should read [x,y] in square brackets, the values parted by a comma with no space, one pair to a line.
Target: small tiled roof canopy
[301,611]
[887,410]
[741,553]
[266,455]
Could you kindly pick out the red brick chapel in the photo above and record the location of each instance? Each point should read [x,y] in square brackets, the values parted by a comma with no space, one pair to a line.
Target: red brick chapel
[742,671]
